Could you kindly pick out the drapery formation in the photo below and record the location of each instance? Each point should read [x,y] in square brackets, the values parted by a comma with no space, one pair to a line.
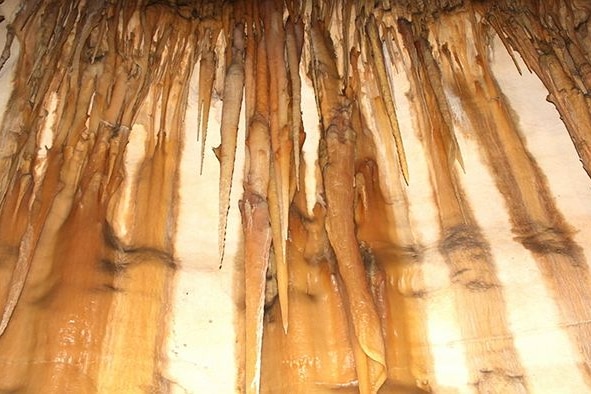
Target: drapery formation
[332,296]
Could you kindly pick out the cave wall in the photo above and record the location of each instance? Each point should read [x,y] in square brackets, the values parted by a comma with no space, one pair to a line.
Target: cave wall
[405,212]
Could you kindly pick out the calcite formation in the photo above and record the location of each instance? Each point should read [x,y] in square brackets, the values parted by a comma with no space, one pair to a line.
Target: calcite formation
[400,205]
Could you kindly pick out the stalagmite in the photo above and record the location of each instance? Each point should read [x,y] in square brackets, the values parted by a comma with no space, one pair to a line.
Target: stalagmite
[401,206]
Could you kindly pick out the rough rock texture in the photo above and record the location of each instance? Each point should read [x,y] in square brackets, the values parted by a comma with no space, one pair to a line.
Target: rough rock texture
[414,213]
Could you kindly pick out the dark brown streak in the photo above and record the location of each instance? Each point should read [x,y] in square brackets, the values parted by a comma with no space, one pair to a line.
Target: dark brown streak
[138,253]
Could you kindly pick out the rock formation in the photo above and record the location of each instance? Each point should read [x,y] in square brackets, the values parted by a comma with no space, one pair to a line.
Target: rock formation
[398,202]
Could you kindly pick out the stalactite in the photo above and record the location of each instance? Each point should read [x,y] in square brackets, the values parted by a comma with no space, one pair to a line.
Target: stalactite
[335,292]
[462,244]
[392,245]
[83,172]
[207,66]
[281,144]
[537,223]
[294,40]
[384,88]
[338,174]
[314,291]
[550,45]
[257,226]
[226,152]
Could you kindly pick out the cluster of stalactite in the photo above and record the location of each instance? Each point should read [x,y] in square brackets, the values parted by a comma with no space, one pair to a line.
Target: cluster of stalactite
[333,297]
[554,40]
[89,75]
